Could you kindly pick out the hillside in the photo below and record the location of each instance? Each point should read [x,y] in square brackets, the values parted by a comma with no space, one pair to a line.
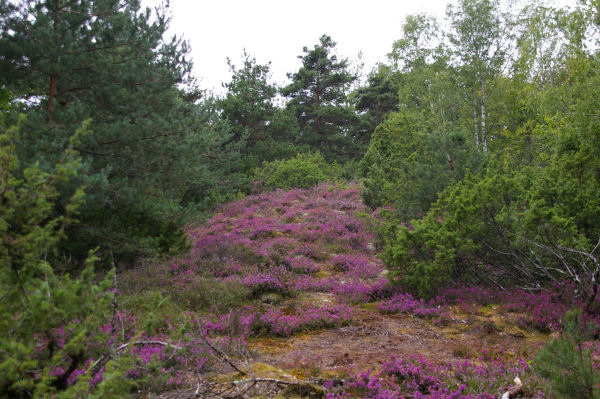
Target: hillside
[289,285]
[159,239]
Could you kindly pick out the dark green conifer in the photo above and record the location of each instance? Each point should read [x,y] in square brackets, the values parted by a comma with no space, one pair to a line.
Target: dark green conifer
[319,96]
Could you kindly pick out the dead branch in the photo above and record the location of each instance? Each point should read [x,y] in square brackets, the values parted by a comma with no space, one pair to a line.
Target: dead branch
[144,343]
[514,391]
[233,388]
[222,354]
[102,360]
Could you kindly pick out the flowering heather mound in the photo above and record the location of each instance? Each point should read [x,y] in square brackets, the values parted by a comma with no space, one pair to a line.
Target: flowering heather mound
[291,276]
[280,322]
[289,242]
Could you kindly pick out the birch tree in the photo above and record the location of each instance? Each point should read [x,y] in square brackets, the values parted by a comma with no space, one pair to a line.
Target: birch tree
[477,39]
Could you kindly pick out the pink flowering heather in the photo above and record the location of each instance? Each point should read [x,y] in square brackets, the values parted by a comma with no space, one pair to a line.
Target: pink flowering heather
[276,250]
[279,322]
[358,265]
[540,310]
[302,264]
[281,241]
[416,377]
[406,303]
[357,290]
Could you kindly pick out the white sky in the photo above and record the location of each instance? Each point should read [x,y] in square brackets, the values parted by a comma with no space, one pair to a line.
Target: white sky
[277,30]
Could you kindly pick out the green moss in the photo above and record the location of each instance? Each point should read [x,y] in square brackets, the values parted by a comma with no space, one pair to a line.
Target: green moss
[303,390]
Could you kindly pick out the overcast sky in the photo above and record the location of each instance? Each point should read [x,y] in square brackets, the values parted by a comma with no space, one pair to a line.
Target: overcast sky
[277,30]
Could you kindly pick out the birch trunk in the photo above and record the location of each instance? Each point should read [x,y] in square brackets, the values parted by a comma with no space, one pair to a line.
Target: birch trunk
[475,123]
[483,135]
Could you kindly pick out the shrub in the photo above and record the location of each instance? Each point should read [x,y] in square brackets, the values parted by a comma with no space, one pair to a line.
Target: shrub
[567,363]
[63,336]
[502,226]
[51,325]
[408,168]
[301,171]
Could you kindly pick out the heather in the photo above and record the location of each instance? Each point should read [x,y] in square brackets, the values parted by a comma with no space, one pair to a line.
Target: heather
[289,242]
[417,377]
[298,268]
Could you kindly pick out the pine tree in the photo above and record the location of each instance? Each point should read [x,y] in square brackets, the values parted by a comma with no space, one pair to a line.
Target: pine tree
[248,103]
[108,61]
[376,100]
[249,107]
[319,96]
[568,363]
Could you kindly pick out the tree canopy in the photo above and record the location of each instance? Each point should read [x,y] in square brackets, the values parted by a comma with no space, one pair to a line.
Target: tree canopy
[318,95]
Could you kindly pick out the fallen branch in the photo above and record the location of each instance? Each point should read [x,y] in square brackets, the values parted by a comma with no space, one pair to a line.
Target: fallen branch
[223,355]
[102,360]
[144,343]
[514,391]
[215,389]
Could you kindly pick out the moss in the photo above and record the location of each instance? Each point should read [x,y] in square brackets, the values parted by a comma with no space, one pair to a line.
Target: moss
[323,273]
[262,370]
[488,310]
[369,306]
[303,390]
[269,344]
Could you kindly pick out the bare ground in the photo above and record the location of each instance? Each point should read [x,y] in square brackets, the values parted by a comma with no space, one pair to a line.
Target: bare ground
[373,337]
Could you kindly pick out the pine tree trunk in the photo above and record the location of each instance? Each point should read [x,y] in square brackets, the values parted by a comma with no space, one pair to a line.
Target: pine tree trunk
[53,89]
[52,93]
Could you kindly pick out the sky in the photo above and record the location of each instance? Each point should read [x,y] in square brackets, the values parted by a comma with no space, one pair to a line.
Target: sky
[276,31]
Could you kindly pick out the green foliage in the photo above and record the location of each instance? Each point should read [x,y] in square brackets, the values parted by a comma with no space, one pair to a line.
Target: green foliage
[153,147]
[568,363]
[50,324]
[416,47]
[385,162]
[447,245]
[429,86]
[407,167]
[527,213]
[318,96]
[375,101]
[504,226]
[301,171]
[268,132]
[248,104]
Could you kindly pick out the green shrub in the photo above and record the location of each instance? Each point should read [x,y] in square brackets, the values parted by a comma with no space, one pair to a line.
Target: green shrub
[567,363]
[502,227]
[406,167]
[50,325]
[446,246]
[138,227]
[210,293]
[301,171]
